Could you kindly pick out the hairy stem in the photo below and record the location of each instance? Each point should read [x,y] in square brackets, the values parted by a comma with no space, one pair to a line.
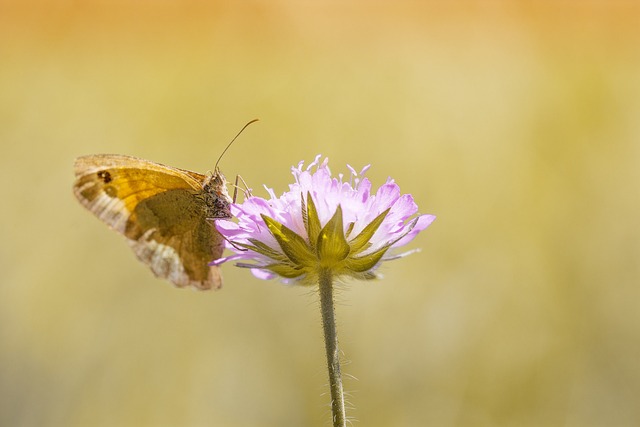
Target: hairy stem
[331,345]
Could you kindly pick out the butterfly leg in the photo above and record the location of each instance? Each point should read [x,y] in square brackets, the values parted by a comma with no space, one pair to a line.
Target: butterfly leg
[246,190]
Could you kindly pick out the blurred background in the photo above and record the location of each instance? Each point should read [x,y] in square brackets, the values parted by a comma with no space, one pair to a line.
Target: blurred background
[516,123]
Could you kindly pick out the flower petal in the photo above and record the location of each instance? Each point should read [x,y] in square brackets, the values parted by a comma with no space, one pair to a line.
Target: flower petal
[422,223]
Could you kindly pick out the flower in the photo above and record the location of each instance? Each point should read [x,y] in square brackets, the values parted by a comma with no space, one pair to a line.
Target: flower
[322,224]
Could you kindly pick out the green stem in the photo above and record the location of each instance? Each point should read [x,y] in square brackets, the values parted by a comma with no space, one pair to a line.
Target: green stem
[331,345]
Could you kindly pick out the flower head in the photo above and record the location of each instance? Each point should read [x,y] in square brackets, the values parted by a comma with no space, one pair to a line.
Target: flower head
[322,224]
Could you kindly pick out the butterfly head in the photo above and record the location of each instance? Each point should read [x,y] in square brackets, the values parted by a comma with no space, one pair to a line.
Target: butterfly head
[217,197]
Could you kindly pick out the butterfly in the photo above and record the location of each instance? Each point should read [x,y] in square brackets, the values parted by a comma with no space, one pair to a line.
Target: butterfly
[165,213]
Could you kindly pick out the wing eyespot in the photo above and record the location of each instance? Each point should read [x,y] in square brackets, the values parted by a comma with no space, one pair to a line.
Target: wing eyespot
[105,176]
[111,191]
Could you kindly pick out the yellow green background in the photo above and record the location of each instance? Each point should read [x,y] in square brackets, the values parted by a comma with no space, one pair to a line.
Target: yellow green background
[516,123]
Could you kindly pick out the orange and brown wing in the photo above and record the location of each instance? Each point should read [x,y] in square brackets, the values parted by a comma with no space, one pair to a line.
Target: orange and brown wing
[159,209]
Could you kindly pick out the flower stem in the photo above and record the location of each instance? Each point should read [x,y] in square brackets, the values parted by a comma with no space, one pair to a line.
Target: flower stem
[331,345]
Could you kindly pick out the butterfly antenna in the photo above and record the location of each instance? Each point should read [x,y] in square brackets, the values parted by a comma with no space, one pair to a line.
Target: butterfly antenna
[234,138]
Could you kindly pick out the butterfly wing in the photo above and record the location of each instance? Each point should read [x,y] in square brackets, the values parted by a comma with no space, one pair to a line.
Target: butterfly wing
[161,211]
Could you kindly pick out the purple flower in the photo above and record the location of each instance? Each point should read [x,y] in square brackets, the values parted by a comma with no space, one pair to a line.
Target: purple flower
[322,223]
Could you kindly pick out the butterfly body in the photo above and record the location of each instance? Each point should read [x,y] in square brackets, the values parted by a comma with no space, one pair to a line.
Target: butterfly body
[166,214]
